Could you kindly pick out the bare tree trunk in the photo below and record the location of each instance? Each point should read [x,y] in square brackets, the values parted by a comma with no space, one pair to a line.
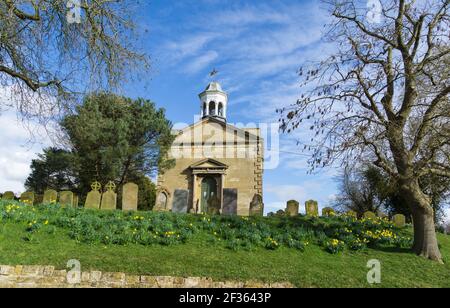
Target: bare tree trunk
[425,240]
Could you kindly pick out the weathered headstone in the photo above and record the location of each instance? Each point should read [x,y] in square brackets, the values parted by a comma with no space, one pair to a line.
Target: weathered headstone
[130,197]
[50,196]
[161,202]
[180,201]
[399,220]
[370,215]
[94,197]
[66,198]
[352,214]
[257,206]
[109,198]
[230,199]
[214,206]
[292,208]
[27,198]
[8,195]
[328,211]
[312,208]
[76,200]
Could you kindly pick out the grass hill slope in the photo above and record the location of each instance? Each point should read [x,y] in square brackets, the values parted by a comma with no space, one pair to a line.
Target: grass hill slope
[308,252]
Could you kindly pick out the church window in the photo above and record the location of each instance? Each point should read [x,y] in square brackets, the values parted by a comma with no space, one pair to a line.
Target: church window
[220,110]
[212,109]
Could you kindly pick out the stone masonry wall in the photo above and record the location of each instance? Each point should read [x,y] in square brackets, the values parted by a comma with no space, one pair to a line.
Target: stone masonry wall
[47,277]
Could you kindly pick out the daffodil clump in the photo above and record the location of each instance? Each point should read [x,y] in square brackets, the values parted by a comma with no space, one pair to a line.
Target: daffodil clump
[333,233]
[335,246]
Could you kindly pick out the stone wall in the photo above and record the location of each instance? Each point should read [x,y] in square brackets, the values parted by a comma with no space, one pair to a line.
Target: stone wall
[48,277]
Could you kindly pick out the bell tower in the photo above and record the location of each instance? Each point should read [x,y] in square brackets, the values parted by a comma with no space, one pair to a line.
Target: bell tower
[213,102]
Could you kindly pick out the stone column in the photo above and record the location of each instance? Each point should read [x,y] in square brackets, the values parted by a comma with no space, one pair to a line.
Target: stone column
[222,181]
[217,108]
[194,192]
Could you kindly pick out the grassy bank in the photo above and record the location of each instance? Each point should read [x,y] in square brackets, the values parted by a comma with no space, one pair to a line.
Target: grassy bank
[50,236]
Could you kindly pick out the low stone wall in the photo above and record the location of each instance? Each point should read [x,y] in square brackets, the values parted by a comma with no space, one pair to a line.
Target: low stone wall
[47,277]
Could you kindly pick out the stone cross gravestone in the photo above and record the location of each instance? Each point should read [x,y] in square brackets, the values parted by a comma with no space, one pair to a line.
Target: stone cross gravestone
[180,201]
[50,196]
[109,198]
[292,208]
[66,198]
[27,198]
[94,197]
[312,208]
[328,211]
[8,195]
[257,206]
[370,215]
[230,199]
[399,220]
[130,194]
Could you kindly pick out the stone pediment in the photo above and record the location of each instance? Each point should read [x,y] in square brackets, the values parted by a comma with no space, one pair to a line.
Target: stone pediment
[209,165]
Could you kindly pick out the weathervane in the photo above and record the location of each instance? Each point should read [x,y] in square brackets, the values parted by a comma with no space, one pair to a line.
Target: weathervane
[213,73]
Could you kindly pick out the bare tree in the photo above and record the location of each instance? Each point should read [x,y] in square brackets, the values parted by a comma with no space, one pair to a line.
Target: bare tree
[361,189]
[52,51]
[383,97]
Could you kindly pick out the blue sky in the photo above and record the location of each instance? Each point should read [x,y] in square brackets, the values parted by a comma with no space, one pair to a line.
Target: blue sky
[257,47]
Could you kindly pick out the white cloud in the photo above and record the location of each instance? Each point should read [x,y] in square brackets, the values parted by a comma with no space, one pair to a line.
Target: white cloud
[17,150]
[201,62]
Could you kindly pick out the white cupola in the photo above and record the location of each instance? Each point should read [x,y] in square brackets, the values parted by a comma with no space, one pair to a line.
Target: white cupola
[214,102]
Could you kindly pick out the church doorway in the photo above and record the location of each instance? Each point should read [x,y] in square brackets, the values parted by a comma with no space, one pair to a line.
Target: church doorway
[209,190]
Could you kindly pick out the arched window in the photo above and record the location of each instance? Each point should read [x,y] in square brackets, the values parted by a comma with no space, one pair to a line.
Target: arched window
[212,109]
[220,110]
[205,109]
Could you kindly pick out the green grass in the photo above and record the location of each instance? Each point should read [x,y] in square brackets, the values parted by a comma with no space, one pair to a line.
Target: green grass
[199,256]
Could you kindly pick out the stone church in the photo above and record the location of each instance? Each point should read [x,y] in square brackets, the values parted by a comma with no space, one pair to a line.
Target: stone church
[218,167]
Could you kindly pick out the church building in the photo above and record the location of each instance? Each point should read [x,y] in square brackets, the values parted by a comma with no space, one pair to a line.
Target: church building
[218,167]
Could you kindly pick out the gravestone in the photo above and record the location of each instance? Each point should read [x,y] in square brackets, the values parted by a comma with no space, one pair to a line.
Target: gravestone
[399,220]
[180,201]
[214,206]
[76,200]
[370,215]
[328,211]
[230,199]
[50,196]
[8,195]
[66,198]
[292,208]
[352,214]
[161,202]
[27,198]
[312,208]
[94,197]
[130,193]
[109,198]
[257,206]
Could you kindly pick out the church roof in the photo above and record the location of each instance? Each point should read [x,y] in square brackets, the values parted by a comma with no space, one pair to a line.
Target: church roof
[214,87]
